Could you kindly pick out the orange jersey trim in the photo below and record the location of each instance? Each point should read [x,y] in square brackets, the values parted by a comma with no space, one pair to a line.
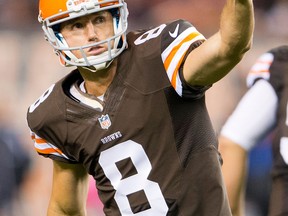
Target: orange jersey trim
[173,53]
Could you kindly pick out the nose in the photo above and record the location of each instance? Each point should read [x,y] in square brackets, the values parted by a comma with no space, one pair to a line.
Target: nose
[91,31]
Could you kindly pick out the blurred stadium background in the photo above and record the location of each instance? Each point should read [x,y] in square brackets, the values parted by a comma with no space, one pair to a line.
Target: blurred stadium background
[29,67]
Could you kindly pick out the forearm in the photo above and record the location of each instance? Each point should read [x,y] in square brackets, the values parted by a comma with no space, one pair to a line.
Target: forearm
[218,55]
[234,173]
[55,209]
[237,26]
[69,190]
[69,205]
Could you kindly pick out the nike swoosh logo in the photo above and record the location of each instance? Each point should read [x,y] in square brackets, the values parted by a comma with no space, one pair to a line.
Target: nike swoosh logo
[175,33]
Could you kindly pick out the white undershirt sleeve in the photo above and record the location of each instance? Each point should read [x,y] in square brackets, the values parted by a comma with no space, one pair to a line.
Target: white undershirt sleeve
[254,116]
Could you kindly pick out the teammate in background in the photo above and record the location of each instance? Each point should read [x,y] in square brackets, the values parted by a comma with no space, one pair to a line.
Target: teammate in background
[262,109]
[15,163]
[133,113]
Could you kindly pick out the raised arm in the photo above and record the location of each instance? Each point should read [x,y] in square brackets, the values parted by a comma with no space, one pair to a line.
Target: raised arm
[69,190]
[219,54]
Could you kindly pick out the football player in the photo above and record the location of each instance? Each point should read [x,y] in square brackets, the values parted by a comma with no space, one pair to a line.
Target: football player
[132,114]
[262,109]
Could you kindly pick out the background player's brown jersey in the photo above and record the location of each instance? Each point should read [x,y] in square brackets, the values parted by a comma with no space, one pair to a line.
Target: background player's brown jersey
[277,76]
[149,145]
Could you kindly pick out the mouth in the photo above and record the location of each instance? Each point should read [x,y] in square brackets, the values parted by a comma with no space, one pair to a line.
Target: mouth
[96,50]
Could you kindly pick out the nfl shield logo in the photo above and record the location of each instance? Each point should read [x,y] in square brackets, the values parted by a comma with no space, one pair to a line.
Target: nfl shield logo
[104,121]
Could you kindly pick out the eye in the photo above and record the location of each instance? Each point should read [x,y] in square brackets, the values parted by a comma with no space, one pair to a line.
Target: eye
[99,20]
[77,25]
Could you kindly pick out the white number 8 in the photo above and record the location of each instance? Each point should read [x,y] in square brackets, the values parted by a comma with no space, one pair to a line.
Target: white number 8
[41,99]
[132,184]
[153,33]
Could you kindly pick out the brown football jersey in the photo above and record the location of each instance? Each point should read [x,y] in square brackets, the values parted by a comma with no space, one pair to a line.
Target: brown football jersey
[277,76]
[149,144]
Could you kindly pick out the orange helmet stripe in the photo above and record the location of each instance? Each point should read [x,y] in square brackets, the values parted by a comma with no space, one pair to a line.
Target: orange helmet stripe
[49,8]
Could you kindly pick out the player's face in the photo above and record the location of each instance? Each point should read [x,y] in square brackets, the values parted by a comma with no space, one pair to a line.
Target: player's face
[87,30]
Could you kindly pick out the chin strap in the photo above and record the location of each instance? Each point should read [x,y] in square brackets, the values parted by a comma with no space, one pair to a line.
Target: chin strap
[98,67]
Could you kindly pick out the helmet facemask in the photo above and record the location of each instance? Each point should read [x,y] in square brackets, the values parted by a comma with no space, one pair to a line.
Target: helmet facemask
[116,44]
